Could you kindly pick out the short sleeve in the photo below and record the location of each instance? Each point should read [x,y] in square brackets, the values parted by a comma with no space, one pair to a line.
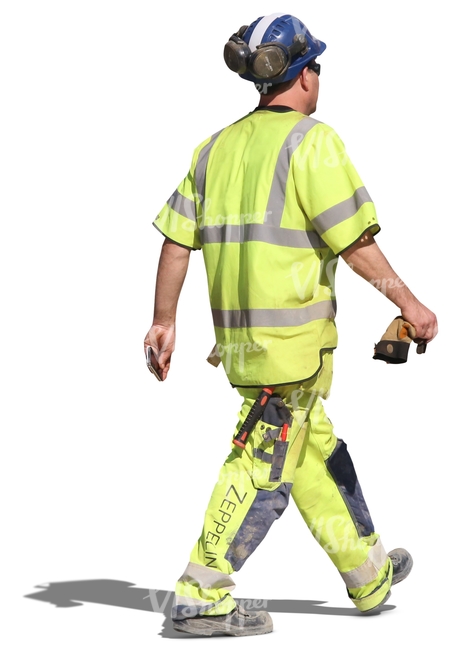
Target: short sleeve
[331,192]
[178,218]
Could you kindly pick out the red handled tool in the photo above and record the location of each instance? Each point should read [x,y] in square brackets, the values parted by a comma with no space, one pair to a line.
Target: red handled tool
[284,432]
[253,416]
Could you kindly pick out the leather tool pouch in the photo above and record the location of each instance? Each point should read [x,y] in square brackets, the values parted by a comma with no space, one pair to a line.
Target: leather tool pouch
[269,453]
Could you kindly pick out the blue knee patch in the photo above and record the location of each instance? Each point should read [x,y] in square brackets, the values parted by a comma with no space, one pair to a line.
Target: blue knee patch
[265,509]
[342,470]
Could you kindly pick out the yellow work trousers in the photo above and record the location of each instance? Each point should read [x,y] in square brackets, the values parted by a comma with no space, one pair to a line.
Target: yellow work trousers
[253,490]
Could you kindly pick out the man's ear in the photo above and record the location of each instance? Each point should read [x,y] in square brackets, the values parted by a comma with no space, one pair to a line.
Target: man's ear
[303,78]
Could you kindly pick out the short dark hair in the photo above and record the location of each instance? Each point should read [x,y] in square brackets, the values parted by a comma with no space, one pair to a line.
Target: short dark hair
[270,89]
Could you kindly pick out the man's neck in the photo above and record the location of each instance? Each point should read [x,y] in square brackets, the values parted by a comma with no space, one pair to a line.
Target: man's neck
[284,99]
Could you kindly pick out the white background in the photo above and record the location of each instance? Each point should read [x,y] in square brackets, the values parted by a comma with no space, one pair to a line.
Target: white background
[105,472]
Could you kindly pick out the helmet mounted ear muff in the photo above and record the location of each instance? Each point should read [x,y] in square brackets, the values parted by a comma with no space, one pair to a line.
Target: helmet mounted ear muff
[268,61]
[236,52]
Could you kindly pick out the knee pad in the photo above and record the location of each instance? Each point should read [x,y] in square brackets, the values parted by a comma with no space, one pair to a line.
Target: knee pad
[343,473]
[266,508]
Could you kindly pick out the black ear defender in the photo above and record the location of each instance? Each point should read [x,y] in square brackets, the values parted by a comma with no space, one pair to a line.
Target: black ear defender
[236,52]
[268,61]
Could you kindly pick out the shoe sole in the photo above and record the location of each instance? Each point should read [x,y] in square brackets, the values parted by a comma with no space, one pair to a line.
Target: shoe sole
[213,628]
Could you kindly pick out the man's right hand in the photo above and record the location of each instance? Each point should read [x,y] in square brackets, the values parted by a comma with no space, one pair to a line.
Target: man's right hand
[162,340]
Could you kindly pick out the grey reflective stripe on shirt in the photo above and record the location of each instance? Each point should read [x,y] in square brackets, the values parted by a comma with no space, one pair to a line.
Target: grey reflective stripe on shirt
[200,169]
[276,201]
[273,317]
[238,234]
[183,205]
[268,232]
[341,212]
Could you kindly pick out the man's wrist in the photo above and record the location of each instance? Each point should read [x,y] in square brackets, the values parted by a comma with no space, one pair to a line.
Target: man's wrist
[164,316]
[164,323]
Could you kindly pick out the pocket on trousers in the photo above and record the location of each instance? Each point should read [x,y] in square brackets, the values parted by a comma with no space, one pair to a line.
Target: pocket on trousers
[269,455]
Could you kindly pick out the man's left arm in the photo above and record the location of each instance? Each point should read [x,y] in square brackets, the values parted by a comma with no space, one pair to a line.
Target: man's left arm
[367,260]
[172,268]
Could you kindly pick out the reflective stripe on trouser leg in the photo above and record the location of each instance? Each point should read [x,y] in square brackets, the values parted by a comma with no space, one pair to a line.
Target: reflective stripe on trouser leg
[329,498]
[244,504]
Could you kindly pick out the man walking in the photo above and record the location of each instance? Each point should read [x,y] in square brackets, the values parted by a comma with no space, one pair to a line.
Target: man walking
[272,201]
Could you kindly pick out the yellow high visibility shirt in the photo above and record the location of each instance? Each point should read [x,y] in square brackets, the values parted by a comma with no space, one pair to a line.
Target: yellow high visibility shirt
[271,200]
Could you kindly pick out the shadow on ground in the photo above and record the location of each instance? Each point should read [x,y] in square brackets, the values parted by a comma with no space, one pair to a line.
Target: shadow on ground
[124,594]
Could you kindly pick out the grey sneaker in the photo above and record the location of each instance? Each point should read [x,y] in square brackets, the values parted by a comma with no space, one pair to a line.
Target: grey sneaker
[238,622]
[402,564]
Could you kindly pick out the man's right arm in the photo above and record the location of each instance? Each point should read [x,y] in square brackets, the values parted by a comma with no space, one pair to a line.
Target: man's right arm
[368,261]
[172,269]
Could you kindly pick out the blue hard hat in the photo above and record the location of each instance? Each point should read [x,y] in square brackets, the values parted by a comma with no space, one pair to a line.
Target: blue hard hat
[283,30]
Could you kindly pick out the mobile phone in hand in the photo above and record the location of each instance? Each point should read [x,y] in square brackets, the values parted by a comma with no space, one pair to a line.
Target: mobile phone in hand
[152,364]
